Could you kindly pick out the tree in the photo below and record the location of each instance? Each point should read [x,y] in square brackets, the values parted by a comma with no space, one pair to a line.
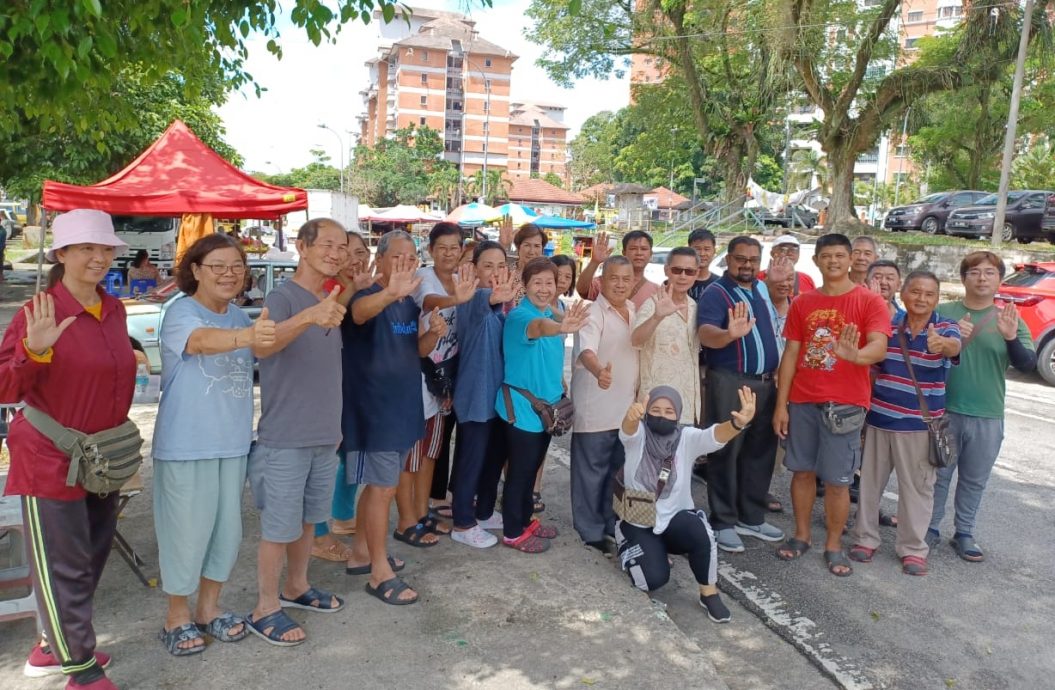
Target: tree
[69,154]
[397,170]
[497,187]
[1035,169]
[849,66]
[554,179]
[808,168]
[443,185]
[593,150]
[318,174]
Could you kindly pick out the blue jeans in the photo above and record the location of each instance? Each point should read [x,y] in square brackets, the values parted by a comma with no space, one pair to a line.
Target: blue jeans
[979,440]
[343,499]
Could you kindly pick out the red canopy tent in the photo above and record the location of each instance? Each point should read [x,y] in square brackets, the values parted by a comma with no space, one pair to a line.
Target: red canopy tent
[179,174]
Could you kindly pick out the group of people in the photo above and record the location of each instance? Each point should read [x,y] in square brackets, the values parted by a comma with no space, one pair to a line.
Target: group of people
[369,366]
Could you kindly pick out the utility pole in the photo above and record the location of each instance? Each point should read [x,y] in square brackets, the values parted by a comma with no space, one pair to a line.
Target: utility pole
[340,143]
[1012,126]
[901,161]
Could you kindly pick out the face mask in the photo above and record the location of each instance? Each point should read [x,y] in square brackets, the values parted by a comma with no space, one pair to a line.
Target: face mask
[661,425]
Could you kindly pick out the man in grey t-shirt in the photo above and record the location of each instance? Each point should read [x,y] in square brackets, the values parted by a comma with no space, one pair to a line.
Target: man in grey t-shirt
[293,465]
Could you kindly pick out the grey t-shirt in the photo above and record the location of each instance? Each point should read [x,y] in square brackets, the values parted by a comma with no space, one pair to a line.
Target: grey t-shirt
[300,387]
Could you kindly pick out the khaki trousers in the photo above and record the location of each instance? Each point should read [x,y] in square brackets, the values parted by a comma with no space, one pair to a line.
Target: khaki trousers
[906,453]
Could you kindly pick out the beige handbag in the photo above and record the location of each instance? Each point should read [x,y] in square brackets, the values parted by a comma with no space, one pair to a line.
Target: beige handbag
[639,507]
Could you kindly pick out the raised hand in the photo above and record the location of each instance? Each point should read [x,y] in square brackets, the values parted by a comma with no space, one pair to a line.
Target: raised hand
[437,324]
[636,412]
[465,283]
[604,377]
[41,330]
[601,250]
[935,343]
[847,347]
[263,330]
[503,286]
[505,232]
[873,285]
[403,280]
[780,269]
[363,277]
[328,313]
[1007,322]
[966,327]
[575,317]
[740,321]
[746,413]
[665,305]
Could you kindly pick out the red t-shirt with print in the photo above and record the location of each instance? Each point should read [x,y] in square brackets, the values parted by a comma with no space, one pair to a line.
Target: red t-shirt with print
[816,320]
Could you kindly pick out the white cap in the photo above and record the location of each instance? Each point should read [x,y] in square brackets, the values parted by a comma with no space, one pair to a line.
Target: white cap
[786,239]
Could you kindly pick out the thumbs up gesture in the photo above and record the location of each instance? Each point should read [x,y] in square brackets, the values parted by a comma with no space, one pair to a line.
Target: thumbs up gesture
[329,312]
[263,330]
[965,326]
[935,343]
[604,377]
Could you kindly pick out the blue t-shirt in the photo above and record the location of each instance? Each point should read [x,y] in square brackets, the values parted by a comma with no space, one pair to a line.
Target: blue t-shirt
[383,409]
[206,408]
[480,374]
[756,353]
[535,364]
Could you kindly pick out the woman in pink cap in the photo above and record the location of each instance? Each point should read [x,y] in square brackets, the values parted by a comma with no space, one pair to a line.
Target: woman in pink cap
[67,354]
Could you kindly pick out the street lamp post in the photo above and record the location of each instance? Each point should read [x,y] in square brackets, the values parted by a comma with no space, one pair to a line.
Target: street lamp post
[340,142]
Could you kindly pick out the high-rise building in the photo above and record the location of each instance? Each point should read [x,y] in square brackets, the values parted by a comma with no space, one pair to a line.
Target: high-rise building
[538,141]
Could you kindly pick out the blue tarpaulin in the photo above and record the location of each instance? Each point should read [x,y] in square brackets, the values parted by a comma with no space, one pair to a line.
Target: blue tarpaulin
[558,223]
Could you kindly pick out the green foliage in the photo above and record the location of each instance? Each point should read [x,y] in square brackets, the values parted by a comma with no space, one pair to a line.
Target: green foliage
[554,179]
[768,173]
[318,174]
[1035,169]
[592,150]
[68,153]
[398,170]
[497,187]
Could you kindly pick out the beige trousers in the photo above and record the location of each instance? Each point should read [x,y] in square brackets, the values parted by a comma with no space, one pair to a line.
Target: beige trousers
[906,453]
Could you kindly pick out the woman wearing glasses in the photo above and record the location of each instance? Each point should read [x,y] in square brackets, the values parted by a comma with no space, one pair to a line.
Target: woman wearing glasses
[201,440]
[665,333]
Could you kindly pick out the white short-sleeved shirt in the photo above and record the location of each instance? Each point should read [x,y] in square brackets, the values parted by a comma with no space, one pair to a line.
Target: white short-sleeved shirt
[693,443]
[608,336]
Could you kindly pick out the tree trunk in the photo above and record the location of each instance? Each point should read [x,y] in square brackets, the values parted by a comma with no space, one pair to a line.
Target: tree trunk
[841,164]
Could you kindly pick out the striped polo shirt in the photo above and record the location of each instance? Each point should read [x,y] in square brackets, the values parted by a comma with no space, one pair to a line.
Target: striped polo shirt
[758,351]
[895,405]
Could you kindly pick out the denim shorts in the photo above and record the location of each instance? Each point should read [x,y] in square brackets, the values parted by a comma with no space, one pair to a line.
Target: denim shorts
[812,448]
[292,487]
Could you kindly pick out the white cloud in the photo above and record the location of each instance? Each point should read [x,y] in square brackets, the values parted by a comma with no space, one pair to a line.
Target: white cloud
[312,85]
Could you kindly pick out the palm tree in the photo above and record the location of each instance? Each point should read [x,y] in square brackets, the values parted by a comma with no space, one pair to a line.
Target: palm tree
[807,166]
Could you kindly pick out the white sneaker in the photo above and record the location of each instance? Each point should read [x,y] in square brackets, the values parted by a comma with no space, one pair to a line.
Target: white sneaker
[493,522]
[474,537]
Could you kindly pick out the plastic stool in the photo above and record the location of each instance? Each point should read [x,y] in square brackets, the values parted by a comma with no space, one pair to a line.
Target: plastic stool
[18,576]
[141,286]
[115,282]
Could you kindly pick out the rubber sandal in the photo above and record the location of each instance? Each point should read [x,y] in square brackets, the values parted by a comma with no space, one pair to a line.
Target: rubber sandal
[887,520]
[914,565]
[442,512]
[280,623]
[966,548]
[335,552]
[314,600]
[542,531]
[219,628]
[187,632]
[838,559]
[773,504]
[396,586]
[862,554]
[365,569]
[794,548]
[527,543]
[414,535]
[431,524]
[539,506]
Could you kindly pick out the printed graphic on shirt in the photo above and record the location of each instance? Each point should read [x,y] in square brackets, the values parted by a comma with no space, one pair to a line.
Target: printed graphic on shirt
[231,374]
[824,327]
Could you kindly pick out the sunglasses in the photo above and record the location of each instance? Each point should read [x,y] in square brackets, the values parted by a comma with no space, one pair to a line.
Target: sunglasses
[679,271]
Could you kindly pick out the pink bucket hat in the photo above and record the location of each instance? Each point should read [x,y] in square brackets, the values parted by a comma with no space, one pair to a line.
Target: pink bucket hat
[82,226]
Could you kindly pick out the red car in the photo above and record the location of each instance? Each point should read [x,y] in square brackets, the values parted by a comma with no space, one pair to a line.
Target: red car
[1032,289]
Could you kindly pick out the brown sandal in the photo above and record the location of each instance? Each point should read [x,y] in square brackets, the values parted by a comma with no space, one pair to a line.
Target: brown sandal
[337,552]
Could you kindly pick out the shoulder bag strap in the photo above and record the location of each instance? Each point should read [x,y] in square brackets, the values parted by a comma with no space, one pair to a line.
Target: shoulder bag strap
[978,328]
[907,355]
[509,403]
[65,439]
[535,402]
[664,473]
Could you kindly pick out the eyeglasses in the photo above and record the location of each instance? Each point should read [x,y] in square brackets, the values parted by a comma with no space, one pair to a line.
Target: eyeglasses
[222,269]
[679,271]
[975,273]
[746,259]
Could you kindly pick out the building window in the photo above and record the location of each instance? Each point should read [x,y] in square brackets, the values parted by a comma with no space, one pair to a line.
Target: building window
[950,12]
[424,100]
[485,128]
[910,43]
[914,17]
[424,56]
[421,121]
[487,106]
[487,62]
[424,80]
[901,151]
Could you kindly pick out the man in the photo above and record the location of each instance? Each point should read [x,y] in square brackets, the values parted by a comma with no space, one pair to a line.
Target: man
[992,338]
[834,334]
[863,254]
[897,437]
[788,246]
[293,464]
[704,244]
[383,410]
[735,325]
[637,247]
[884,279]
[603,386]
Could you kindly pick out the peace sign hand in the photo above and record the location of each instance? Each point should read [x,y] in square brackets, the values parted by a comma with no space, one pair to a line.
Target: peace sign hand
[41,329]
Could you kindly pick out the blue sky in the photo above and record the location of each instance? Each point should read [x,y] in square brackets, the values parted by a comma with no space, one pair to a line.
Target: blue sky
[313,85]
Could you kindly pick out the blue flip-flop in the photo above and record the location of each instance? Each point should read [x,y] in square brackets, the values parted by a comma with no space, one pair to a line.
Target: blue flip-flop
[313,600]
[280,624]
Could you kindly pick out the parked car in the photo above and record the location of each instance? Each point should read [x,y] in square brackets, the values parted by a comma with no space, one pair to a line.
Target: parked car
[930,213]
[11,224]
[1031,288]
[654,270]
[1047,224]
[147,313]
[1025,209]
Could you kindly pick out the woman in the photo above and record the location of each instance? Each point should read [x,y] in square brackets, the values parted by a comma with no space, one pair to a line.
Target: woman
[566,273]
[67,354]
[357,274]
[142,269]
[679,527]
[533,347]
[207,385]
[665,333]
[530,242]
[481,449]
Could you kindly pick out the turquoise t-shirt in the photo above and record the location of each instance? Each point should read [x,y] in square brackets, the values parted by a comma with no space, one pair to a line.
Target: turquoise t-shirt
[206,408]
[535,364]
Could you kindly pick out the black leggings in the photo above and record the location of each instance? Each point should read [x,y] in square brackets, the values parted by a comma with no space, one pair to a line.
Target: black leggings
[644,553]
[527,450]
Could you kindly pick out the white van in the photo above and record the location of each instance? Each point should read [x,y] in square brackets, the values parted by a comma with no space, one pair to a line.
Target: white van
[154,234]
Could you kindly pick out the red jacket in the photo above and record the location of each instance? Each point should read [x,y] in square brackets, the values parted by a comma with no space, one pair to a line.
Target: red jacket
[88,386]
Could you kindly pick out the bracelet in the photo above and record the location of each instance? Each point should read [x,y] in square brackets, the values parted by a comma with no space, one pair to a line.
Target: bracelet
[732,423]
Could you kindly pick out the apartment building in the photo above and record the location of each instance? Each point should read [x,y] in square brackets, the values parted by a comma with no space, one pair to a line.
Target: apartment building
[437,71]
[538,141]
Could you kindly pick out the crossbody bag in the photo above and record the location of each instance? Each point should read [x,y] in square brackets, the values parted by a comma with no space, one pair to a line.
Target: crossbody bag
[101,462]
[635,506]
[942,440]
[556,418]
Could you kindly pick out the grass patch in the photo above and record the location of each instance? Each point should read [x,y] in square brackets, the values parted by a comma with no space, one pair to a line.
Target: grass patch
[919,239]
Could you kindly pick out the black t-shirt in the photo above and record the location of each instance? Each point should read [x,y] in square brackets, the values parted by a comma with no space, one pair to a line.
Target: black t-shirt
[695,292]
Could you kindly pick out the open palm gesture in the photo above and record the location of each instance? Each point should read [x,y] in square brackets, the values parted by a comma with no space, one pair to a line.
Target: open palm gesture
[665,305]
[503,286]
[740,321]
[363,277]
[847,347]
[575,317]
[746,413]
[465,283]
[403,280]
[601,250]
[1007,322]
[41,330]
[505,232]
